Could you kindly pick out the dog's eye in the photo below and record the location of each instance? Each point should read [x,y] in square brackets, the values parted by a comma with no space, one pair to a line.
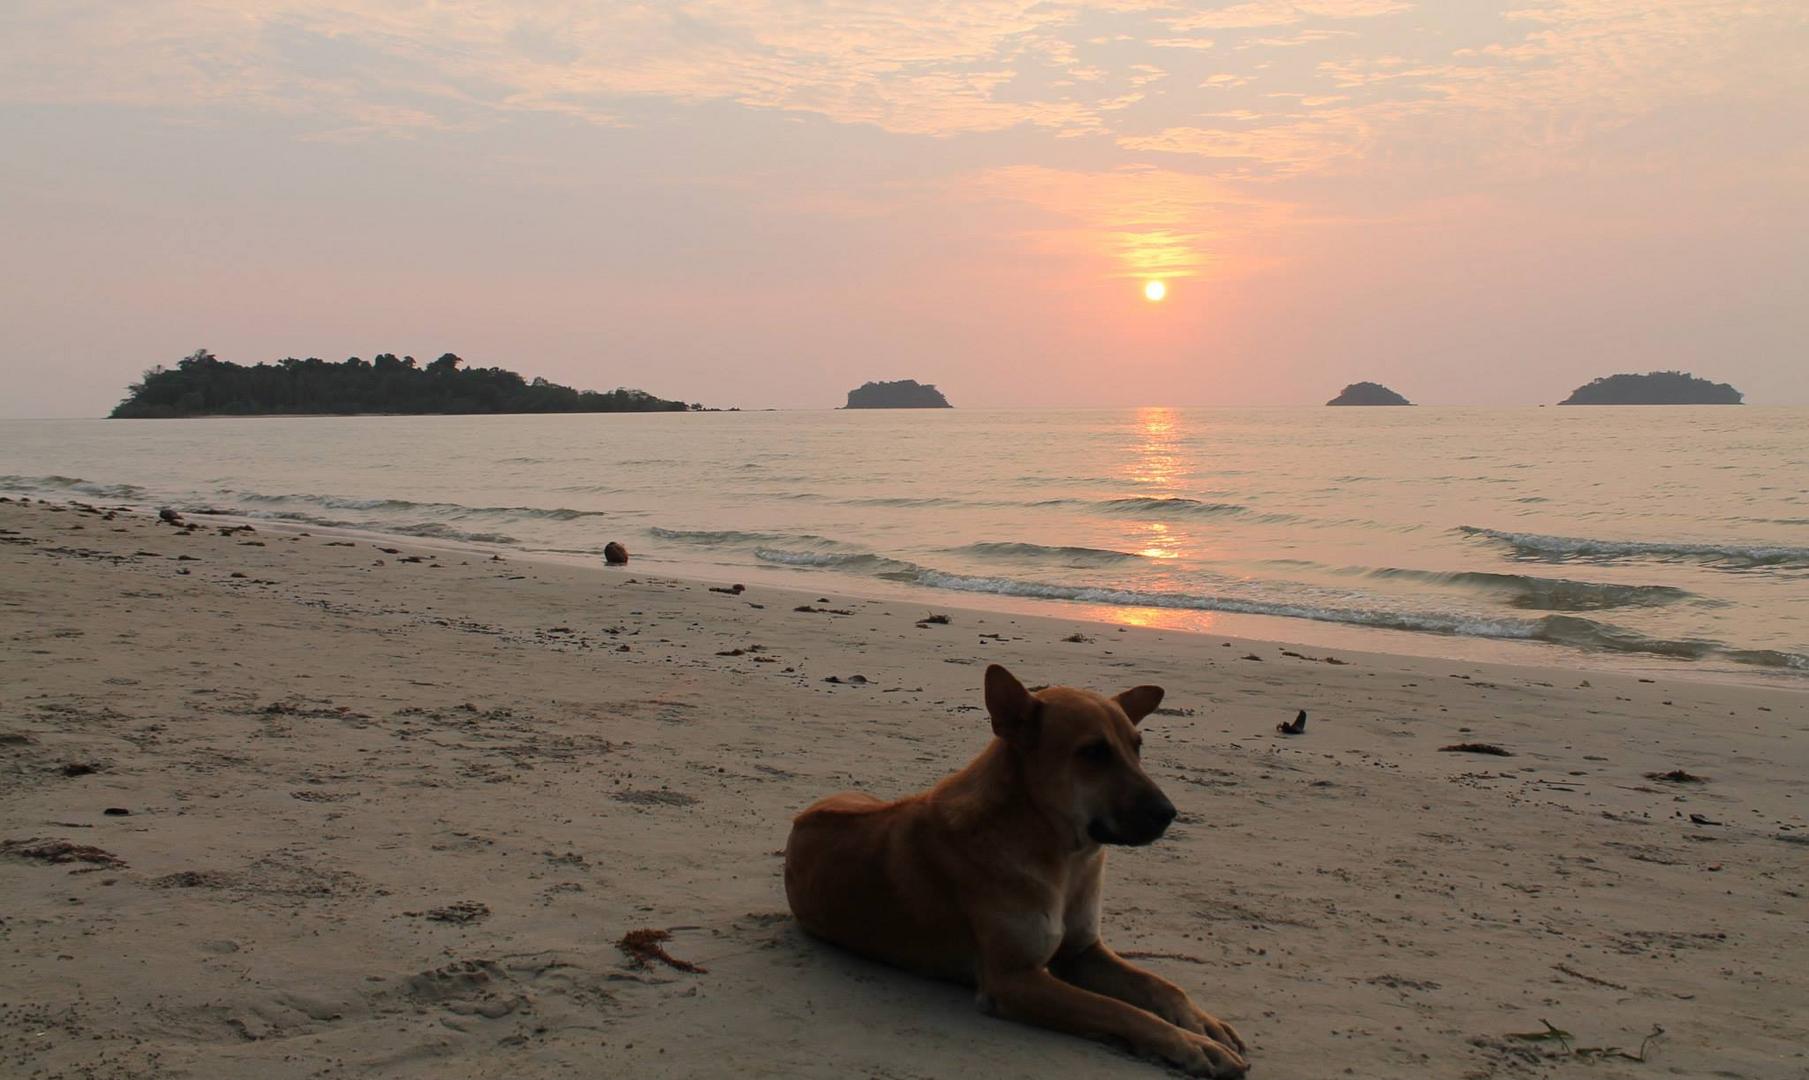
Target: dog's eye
[1098,752]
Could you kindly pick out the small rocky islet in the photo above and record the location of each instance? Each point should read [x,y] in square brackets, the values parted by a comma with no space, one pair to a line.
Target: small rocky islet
[1368,393]
[898,394]
[1654,388]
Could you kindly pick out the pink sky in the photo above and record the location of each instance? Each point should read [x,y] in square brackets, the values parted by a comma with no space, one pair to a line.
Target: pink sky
[766,202]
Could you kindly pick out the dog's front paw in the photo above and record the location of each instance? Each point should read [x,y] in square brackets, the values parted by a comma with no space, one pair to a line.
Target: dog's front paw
[1198,1055]
[1216,1029]
[1180,1011]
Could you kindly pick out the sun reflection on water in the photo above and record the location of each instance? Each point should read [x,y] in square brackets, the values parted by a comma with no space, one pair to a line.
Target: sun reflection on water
[1156,458]
[1156,463]
[1159,542]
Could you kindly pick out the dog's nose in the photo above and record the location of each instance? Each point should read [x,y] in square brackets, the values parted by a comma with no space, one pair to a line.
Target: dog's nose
[1159,811]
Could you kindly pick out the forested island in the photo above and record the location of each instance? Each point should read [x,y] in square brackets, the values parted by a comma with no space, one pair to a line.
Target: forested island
[1368,393]
[1654,388]
[204,385]
[901,394]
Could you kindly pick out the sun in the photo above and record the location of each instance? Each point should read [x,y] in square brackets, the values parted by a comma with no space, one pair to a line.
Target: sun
[1154,291]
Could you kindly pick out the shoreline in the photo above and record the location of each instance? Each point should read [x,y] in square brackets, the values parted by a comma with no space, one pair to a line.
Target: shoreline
[1378,552]
[1254,626]
[1296,632]
[388,812]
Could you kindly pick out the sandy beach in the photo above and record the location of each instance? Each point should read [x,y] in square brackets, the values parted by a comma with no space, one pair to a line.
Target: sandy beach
[292,805]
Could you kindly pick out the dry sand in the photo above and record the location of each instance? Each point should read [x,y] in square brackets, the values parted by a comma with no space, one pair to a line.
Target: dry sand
[391,818]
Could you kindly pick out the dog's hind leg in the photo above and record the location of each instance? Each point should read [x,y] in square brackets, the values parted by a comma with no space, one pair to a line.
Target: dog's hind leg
[1103,971]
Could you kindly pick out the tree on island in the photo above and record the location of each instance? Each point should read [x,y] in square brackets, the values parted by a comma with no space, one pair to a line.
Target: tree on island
[1368,393]
[1654,388]
[201,384]
[902,394]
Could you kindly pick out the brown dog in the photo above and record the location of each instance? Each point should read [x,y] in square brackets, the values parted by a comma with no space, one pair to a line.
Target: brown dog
[992,876]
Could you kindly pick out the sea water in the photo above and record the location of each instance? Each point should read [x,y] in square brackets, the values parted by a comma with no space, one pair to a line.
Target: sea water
[1627,537]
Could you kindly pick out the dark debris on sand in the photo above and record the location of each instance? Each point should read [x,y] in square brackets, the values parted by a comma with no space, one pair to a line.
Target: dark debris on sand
[642,947]
[459,913]
[1677,776]
[58,852]
[1476,748]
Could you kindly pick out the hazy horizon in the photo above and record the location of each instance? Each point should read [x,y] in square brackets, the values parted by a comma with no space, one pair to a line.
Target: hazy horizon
[762,205]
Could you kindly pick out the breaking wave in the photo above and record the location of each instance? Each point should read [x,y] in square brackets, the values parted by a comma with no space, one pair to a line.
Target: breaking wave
[740,538]
[855,561]
[1568,630]
[64,484]
[1171,505]
[1557,629]
[906,500]
[1561,548]
[428,530]
[1066,556]
[341,502]
[1548,594]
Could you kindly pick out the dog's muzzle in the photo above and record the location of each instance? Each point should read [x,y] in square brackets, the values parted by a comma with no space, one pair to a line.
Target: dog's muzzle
[1144,824]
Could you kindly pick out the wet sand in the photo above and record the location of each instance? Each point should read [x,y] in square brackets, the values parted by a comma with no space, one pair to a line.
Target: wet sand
[299,806]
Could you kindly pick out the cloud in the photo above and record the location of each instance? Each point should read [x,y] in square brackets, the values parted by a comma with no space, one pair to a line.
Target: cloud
[1261,14]
[1135,221]
[1538,92]
[1290,41]
[351,68]
[1287,145]
[1236,102]
[933,67]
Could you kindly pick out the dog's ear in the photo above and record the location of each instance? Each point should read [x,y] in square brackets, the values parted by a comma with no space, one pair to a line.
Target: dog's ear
[1139,701]
[1010,705]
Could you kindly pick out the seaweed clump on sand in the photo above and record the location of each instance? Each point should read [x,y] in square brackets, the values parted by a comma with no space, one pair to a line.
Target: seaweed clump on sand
[644,946]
